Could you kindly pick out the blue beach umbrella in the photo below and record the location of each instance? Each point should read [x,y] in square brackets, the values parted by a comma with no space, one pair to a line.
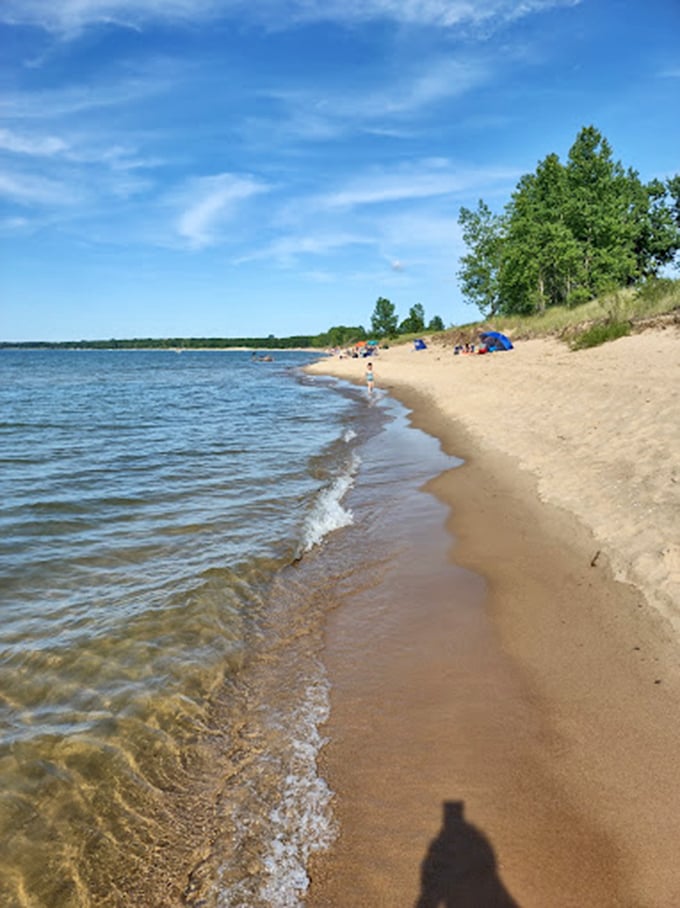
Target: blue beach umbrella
[496,341]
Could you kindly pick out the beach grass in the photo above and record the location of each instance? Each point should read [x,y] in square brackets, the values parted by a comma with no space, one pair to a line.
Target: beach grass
[599,334]
[611,315]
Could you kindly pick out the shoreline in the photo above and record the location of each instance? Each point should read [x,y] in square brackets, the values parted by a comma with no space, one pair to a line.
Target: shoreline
[598,429]
[598,680]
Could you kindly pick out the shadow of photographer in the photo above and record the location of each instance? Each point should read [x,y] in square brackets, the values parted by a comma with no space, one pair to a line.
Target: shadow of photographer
[459,869]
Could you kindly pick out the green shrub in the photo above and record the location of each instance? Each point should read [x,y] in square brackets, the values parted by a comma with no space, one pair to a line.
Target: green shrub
[600,334]
[655,289]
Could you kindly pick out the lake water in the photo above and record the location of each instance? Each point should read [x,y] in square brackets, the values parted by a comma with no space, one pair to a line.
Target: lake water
[173,529]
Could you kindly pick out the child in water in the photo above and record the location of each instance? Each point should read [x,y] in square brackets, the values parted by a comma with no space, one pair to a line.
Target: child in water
[370,380]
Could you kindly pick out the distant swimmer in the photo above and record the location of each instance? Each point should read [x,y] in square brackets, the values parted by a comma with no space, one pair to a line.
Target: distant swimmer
[370,378]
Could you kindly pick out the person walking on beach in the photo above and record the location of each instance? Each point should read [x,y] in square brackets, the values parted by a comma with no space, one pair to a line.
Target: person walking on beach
[370,378]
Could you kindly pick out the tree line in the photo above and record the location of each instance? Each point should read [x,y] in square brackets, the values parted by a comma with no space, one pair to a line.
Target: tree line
[385,325]
[170,343]
[569,233]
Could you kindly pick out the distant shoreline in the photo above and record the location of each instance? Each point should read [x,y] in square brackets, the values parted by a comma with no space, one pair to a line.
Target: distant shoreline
[78,346]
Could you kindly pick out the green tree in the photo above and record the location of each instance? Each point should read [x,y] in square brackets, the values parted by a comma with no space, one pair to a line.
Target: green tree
[599,214]
[657,212]
[479,268]
[340,336]
[673,191]
[414,323]
[569,233]
[436,324]
[384,319]
[540,257]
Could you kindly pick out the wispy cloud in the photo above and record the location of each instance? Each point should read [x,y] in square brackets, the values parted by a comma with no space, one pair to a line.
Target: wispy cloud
[424,179]
[420,86]
[287,249]
[75,100]
[81,172]
[38,146]
[403,217]
[359,108]
[31,190]
[81,149]
[207,203]
[68,17]
[71,16]
[437,13]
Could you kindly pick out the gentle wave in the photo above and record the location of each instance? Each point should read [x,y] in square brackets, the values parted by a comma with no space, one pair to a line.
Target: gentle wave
[153,503]
[328,513]
[302,821]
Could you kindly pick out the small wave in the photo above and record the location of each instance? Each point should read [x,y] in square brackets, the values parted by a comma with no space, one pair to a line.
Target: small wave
[349,435]
[301,823]
[328,513]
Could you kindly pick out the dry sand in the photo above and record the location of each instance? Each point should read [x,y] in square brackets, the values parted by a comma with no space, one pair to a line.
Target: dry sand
[553,713]
[598,428]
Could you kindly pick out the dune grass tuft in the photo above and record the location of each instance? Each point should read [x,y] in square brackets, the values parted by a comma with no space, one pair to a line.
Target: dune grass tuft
[599,334]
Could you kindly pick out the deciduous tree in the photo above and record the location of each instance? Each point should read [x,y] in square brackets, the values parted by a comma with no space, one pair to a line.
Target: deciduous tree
[414,323]
[569,233]
[384,318]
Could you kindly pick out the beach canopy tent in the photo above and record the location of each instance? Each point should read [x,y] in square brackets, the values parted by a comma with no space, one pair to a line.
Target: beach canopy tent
[419,344]
[494,340]
[366,348]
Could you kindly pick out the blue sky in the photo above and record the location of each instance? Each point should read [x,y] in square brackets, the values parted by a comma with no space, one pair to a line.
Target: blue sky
[229,168]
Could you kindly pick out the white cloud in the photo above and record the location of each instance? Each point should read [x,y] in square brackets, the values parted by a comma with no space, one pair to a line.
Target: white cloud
[74,100]
[440,13]
[84,149]
[438,81]
[208,202]
[425,179]
[39,146]
[287,249]
[27,189]
[57,172]
[71,16]
[395,108]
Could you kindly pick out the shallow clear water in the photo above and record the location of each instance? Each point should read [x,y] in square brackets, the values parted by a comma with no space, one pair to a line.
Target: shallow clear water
[166,560]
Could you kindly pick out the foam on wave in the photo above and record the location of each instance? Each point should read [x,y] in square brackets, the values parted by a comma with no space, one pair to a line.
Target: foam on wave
[328,513]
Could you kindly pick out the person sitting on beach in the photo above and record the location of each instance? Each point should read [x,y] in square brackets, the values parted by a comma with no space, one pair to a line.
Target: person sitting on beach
[370,379]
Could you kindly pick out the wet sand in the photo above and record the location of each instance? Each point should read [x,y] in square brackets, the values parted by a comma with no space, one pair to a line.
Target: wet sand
[514,741]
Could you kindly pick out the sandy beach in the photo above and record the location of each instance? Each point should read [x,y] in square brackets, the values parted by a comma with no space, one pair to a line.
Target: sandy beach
[530,757]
